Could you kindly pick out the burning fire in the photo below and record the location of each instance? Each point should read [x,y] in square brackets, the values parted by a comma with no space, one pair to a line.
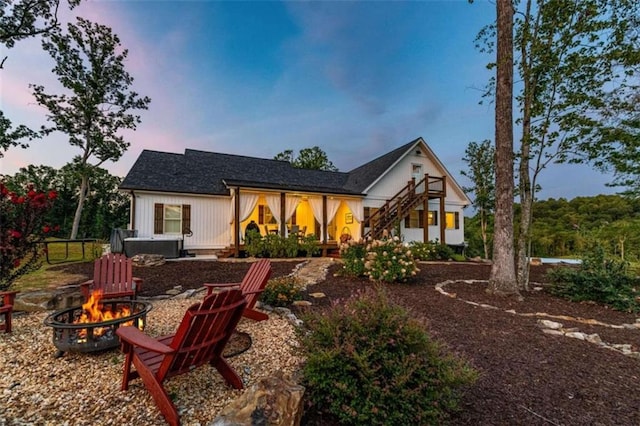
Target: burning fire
[94,312]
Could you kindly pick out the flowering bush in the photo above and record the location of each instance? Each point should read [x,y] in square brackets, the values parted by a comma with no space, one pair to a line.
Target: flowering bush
[282,291]
[432,250]
[21,228]
[381,260]
[353,254]
[389,260]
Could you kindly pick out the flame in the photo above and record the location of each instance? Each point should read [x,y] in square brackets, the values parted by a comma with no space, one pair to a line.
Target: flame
[94,312]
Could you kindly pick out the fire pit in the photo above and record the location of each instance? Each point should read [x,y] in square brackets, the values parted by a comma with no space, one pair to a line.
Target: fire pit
[92,326]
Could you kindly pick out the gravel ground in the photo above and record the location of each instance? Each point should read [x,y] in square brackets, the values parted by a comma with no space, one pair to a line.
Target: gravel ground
[83,389]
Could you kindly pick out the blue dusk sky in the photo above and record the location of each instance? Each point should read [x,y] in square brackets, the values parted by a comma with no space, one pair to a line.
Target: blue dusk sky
[357,79]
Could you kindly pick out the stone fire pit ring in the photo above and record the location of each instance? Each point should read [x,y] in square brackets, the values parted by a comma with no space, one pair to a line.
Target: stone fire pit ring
[67,335]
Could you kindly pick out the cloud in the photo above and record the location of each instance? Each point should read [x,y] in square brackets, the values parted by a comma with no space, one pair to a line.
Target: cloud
[354,47]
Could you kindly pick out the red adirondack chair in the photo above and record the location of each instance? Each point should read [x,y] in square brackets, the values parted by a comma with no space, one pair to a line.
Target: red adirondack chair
[252,286]
[6,309]
[113,276]
[201,337]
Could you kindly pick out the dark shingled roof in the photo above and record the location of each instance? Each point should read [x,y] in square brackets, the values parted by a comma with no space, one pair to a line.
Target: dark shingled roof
[201,172]
[361,177]
[211,173]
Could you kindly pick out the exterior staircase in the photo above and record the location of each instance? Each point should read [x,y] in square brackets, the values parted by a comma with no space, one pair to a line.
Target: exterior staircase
[400,206]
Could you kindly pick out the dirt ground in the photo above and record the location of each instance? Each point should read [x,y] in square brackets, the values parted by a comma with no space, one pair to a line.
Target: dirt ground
[526,377]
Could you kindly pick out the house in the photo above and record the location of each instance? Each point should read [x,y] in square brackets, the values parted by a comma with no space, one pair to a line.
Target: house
[206,199]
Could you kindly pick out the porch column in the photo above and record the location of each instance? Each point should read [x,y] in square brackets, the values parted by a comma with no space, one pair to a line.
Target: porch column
[425,208]
[236,223]
[443,217]
[324,220]
[425,220]
[283,206]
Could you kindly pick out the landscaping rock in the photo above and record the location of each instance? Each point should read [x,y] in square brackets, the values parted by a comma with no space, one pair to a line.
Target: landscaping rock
[148,260]
[273,400]
[45,300]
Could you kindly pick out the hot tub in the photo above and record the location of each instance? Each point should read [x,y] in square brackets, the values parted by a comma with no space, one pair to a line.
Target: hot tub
[168,247]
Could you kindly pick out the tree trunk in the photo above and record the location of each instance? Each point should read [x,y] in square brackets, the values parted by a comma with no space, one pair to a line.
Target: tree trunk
[483,233]
[526,187]
[84,183]
[503,274]
[526,198]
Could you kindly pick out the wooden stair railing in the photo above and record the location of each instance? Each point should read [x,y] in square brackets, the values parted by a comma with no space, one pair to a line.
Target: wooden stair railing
[402,203]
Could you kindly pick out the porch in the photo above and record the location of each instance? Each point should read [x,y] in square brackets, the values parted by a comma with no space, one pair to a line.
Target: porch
[326,217]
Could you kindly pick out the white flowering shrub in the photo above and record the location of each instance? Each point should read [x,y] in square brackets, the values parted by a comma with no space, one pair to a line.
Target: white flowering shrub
[389,260]
[353,254]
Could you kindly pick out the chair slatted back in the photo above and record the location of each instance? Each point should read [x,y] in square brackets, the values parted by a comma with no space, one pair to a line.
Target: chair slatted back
[255,281]
[113,273]
[203,333]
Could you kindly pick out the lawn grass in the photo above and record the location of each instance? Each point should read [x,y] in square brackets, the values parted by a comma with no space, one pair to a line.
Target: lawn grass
[60,252]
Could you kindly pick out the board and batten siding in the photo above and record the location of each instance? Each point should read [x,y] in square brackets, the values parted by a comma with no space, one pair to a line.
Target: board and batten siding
[209,219]
[398,176]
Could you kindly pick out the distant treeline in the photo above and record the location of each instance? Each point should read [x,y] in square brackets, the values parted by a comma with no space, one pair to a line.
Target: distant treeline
[563,228]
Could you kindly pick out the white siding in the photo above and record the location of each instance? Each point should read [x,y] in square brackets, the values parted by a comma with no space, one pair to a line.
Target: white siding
[398,177]
[209,218]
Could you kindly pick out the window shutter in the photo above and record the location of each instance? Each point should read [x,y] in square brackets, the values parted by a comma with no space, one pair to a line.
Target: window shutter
[186,218]
[457,220]
[158,218]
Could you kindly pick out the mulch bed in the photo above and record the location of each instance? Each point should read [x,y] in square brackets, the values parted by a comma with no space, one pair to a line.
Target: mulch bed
[526,377]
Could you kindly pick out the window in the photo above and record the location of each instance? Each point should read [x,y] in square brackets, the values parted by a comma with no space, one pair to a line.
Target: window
[414,220]
[453,220]
[265,217]
[432,219]
[171,218]
[416,171]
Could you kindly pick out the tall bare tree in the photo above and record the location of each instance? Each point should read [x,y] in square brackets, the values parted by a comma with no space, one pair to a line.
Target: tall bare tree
[502,279]
[90,65]
[19,20]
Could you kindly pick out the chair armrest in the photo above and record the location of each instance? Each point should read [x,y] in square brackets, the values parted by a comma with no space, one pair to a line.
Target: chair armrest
[222,285]
[133,336]
[85,288]
[211,287]
[137,284]
[8,297]
[244,293]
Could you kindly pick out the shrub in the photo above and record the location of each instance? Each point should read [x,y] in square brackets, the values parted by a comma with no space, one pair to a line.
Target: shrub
[369,362]
[309,245]
[598,279]
[22,227]
[282,291]
[432,250]
[273,245]
[389,260]
[353,254]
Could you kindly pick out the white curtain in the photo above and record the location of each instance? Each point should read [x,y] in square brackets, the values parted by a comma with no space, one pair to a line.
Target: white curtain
[316,208]
[356,209]
[247,204]
[273,201]
[332,208]
[291,203]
